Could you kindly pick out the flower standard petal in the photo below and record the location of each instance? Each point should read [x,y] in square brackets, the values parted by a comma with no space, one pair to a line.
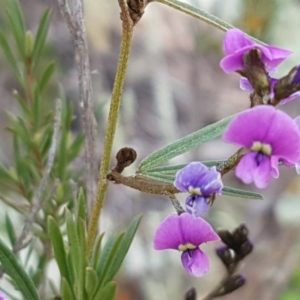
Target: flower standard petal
[195,262]
[234,40]
[212,183]
[278,55]
[249,126]
[196,230]
[284,137]
[169,234]
[190,176]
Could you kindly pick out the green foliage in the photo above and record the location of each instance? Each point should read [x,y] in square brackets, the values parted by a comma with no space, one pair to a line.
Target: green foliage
[185,144]
[14,269]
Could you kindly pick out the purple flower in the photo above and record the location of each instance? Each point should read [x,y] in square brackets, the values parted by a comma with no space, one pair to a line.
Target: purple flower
[297,165]
[186,233]
[2,296]
[270,135]
[201,182]
[237,44]
[246,86]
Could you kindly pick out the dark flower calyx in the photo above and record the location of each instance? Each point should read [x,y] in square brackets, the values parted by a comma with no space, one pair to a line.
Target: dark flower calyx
[234,282]
[254,70]
[240,234]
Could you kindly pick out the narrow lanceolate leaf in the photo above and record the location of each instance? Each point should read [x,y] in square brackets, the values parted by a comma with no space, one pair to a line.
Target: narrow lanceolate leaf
[40,39]
[77,255]
[96,251]
[201,15]
[66,291]
[10,230]
[59,249]
[185,144]
[9,56]
[14,269]
[173,169]
[123,249]
[91,280]
[229,191]
[46,76]
[107,292]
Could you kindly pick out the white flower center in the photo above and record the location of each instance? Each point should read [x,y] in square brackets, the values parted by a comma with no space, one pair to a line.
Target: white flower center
[187,246]
[263,148]
[194,191]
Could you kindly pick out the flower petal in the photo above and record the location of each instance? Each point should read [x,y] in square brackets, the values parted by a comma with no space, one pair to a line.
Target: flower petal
[262,174]
[248,170]
[250,126]
[234,40]
[196,230]
[168,235]
[245,85]
[195,262]
[197,176]
[284,137]
[290,98]
[278,56]
[197,205]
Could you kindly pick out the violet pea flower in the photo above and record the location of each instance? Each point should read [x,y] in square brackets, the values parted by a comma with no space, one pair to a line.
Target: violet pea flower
[271,136]
[186,233]
[201,182]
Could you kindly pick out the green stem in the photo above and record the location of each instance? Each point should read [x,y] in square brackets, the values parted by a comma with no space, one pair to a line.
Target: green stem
[110,132]
[201,15]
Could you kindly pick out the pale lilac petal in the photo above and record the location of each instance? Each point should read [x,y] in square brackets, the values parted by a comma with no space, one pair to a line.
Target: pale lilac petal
[262,174]
[212,183]
[297,166]
[197,205]
[234,40]
[246,167]
[278,56]
[2,296]
[189,176]
[290,98]
[274,166]
[251,169]
[196,230]
[197,175]
[284,137]
[245,85]
[169,234]
[195,262]
[250,126]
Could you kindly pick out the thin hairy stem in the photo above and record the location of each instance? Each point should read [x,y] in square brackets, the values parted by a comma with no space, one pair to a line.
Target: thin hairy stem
[111,123]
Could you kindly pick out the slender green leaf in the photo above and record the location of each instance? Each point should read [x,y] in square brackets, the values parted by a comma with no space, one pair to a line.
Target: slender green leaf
[14,269]
[75,148]
[40,39]
[158,177]
[91,281]
[66,291]
[59,249]
[107,292]
[201,15]
[185,144]
[229,191]
[95,258]
[81,210]
[46,76]
[10,230]
[174,168]
[9,57]
[36,109]
[123,249]
[107,257]
[77,254]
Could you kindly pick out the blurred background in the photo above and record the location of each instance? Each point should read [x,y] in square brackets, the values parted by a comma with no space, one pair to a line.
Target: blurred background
[175,86]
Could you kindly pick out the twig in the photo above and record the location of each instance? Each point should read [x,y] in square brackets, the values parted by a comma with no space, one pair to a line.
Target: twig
[112,122]
[38,199]
[76,25]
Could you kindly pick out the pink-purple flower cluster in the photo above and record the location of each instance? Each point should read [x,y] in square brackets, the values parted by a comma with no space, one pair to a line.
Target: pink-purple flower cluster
[237,46]
[267,136]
